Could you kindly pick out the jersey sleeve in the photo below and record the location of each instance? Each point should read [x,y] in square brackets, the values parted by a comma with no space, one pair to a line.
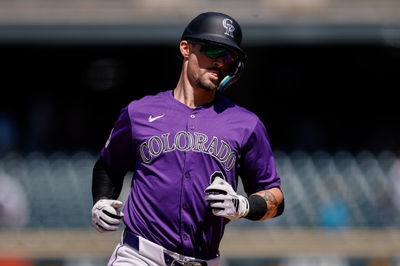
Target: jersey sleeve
[257,164]
[118,152]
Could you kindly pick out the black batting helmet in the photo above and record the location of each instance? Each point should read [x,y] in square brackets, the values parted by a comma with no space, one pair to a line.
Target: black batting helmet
[223,30]
[215,27]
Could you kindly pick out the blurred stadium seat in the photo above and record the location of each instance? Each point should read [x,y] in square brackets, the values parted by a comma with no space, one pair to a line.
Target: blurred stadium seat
[58,187]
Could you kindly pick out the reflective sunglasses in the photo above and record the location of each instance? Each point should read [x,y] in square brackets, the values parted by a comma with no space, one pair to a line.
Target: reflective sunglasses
[215,51]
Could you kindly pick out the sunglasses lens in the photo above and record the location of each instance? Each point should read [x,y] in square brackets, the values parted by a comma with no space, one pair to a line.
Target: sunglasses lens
[229,58]
[215,52]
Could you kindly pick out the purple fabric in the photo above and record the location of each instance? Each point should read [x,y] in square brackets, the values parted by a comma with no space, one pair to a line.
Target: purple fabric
[173,151]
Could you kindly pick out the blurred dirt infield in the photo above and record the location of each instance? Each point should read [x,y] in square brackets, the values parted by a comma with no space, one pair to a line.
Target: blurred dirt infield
[236,243]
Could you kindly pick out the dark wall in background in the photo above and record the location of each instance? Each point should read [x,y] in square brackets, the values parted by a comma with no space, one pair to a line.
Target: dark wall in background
[310,97]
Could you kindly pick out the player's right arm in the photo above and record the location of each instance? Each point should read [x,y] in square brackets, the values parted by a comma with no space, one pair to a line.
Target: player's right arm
[106,187]
[106,182]
[108,175]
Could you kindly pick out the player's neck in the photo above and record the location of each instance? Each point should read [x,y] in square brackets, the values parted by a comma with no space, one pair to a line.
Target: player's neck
[192,97]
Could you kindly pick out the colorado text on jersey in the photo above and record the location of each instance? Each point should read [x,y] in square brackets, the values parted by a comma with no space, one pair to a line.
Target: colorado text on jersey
[185,141]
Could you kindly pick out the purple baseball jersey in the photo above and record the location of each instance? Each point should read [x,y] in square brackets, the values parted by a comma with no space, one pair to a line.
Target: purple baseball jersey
[173,152]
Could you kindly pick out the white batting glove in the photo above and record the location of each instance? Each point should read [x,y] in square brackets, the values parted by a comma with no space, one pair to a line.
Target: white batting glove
[106,215]
[224,201]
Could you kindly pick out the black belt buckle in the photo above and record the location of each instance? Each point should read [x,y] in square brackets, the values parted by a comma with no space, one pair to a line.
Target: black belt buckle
[170,261]
[188,263]
[194,262]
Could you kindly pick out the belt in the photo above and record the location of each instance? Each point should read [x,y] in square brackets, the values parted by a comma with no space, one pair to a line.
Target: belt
[170,258]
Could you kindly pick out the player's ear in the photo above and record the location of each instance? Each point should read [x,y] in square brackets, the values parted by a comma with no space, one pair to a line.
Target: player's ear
[184,47]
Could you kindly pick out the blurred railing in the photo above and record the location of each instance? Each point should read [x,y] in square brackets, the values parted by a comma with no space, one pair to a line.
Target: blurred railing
[128,11]
[58,187]
[155,21]
[322,190]
[342,189]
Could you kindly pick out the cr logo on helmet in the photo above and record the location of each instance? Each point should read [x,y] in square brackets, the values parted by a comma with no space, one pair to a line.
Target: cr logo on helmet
[227,23]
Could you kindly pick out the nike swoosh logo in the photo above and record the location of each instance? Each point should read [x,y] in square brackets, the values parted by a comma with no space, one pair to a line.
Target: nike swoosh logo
[152,119]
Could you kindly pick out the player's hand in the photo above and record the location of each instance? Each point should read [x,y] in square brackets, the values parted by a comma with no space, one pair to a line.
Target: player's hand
[224,201]
[106,215]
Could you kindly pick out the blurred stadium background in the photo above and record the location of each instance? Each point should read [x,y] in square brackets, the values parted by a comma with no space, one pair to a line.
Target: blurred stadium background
[321,74]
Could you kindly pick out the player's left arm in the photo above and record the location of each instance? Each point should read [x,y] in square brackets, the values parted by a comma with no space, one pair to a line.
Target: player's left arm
[259,206]
[260,174]
[274,201]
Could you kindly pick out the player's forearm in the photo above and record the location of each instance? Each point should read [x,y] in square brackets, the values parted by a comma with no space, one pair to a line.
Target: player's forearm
[106,183]
[274,200]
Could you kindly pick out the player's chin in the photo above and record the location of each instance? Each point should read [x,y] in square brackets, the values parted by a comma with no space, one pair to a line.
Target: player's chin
[209,85]
[213,83]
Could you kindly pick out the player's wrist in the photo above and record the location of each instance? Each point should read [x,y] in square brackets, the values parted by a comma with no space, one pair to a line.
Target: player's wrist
[245,206]
[97,199]
[257,208]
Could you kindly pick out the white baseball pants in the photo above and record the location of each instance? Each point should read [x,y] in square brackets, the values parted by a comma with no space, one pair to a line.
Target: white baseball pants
[149,254]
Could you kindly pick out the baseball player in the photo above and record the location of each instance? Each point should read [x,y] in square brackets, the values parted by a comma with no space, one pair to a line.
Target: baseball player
[186,148]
